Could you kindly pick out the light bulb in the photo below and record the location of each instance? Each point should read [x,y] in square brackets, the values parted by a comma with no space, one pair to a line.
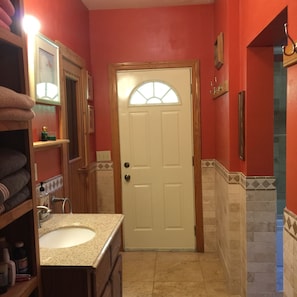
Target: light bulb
[31,24]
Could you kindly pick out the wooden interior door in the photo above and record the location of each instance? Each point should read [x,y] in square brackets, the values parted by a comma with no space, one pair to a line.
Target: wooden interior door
[73,127]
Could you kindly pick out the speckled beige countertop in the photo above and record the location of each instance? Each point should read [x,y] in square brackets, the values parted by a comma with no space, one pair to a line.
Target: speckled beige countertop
[88,253]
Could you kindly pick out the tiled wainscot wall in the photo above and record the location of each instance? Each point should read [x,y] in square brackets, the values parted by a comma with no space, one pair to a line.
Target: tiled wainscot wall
[290,254]
[239,217]
[241,212]
[105,187]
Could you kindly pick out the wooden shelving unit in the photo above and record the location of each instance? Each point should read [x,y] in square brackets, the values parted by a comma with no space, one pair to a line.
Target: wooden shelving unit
[20,223]
[39,145]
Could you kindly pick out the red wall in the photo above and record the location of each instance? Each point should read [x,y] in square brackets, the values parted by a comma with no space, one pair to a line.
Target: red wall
[226,139]
[254,17]
[139,35]
[68,22]
[154,34]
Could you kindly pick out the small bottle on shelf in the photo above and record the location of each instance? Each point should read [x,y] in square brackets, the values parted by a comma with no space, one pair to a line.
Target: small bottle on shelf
[43,196]
[11,267]
[20,258]
[3,277]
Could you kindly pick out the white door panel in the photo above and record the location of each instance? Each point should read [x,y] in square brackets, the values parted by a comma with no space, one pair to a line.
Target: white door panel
[156,141]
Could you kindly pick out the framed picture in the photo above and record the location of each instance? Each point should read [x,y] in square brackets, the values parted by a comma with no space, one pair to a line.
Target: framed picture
[46,71]
[219,51]
[89,87]
[91,119]
[241,124]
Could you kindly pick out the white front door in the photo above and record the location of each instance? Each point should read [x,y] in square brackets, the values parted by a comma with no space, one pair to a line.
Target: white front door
[156,155]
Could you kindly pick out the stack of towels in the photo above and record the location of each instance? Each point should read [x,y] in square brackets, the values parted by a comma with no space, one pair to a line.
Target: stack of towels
[14,179]
[15,106]
[7,11]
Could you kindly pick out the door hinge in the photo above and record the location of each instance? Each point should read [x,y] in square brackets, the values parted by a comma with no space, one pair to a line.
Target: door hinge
[195,230]
[193,161]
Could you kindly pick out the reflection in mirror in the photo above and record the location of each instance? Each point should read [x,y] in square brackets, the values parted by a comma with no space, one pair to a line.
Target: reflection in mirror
[47,90]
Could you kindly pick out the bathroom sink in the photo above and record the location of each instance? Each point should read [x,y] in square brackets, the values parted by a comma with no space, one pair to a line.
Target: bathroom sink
[66,237]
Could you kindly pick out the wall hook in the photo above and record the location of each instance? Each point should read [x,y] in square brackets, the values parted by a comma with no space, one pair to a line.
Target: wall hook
[294,46]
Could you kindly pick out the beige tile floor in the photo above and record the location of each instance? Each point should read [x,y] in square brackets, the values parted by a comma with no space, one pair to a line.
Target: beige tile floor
[173,274]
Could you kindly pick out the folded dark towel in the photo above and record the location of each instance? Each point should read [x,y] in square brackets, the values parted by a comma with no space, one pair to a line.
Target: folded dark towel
[13,183]
[15,200]
[11,161]
[12,99]
[14,114]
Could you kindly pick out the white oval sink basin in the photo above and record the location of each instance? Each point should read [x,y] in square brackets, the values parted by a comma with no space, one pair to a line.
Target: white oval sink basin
[66,237]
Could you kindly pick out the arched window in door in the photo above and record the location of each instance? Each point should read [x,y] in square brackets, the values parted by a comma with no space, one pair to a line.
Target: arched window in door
[154,92]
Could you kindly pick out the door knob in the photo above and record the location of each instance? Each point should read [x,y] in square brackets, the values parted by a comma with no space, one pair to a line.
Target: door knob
[126,164]
[127,177]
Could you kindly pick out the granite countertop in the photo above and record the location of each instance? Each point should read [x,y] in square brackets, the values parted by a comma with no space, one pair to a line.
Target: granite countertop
[87,254]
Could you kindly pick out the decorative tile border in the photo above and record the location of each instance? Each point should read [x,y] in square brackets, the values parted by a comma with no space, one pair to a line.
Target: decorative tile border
[260,183]
[207,163]
[247,182]
[290,222]
[52,184]
[230,177]
[105,166]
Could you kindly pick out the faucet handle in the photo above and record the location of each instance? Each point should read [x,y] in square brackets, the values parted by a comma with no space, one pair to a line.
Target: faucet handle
[43,212]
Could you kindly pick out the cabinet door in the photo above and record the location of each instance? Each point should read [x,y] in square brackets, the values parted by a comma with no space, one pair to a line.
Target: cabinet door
[107,292]
[116,278]
[101,274]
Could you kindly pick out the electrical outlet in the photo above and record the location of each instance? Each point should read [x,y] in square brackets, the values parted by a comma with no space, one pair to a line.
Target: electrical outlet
[102,156]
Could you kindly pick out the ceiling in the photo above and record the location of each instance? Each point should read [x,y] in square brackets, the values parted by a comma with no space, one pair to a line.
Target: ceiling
[120,4]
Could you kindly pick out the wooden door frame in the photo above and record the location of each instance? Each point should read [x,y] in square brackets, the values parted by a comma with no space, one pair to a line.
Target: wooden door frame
[116,158]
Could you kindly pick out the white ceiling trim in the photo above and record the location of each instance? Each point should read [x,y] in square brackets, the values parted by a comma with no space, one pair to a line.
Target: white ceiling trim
[124,4]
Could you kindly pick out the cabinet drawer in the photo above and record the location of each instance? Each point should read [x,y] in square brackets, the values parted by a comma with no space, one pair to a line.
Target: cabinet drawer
[116,246]
[102,273]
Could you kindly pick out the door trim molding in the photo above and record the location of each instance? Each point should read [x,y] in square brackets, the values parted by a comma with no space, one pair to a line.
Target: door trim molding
[194,65]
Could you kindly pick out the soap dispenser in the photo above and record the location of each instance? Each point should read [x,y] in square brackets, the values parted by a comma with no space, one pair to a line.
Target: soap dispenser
[43,196]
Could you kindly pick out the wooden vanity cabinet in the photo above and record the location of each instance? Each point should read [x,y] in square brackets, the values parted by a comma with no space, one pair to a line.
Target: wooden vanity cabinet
[19,223]
[109,284]
[103,281]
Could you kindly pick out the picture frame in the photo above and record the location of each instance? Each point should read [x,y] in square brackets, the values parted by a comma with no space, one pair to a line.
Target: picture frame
[241,124]
[89,87]
[219,51]
[91,119]
[46,71]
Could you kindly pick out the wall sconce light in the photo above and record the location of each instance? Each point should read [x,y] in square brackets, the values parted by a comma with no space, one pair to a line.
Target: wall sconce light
[292,47]
[31,25]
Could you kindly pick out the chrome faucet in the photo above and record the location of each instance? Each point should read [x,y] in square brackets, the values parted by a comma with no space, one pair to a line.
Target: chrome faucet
[43,213]
[64,201]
